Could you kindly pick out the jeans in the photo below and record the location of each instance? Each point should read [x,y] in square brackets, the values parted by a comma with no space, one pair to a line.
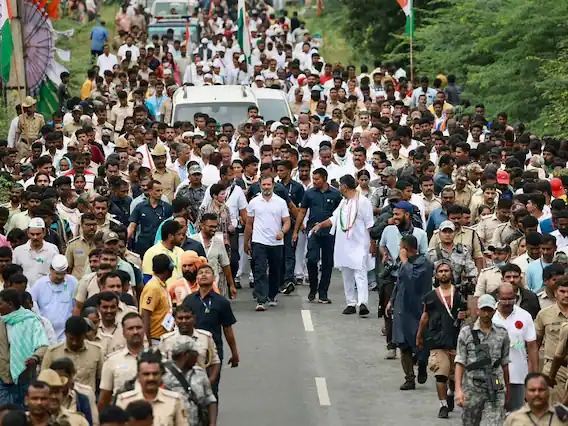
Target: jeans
[14,393]
[320,245]
[235,255]
[289,263]
[267,271]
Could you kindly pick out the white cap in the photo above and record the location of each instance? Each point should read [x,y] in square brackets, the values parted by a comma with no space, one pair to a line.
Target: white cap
[274,126]
[206,68]
[209,76]
[259,78]
[204,40]
[187,135]
[59,263]
[241,58]
[37,222]
[216,63]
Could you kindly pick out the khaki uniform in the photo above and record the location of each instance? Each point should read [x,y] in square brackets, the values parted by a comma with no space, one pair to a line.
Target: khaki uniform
[521,418]
[133,258]
[70,128]
[548,324]
[118,114]
[70,401]
[488,281]
[398,163]
[66,417]
[169,179]
[515,246]
[123,309]
[522,262]
[77,255]
[115,336]
[30,127]
[486,228]
[103,342]
[505,234]
[167,407]
[166,110]
[465,236]
[207,349]
[544,300]
[463,196]
[88,361]
[105,227]
[119,367]
[87,287]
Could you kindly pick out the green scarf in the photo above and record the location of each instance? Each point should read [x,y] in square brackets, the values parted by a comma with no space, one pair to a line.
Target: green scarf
[26,335]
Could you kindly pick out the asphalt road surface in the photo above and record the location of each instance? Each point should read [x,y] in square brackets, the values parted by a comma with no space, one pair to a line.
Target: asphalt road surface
[304,364]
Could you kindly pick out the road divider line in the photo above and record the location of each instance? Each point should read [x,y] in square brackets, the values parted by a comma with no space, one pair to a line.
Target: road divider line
[321,388]
[307,320]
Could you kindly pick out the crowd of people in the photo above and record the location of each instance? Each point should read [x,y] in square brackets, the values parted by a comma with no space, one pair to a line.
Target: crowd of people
[127,235]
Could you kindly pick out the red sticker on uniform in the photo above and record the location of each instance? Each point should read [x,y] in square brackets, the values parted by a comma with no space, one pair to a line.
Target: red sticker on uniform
[518,325]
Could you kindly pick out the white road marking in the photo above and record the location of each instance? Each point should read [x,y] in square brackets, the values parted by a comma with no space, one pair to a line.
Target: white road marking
[307,320]
[321,388]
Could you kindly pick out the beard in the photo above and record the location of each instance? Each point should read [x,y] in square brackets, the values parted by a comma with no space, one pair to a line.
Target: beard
[403,224]
[190,276]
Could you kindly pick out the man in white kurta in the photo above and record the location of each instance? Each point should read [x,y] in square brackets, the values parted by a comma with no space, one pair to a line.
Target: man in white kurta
[350,223]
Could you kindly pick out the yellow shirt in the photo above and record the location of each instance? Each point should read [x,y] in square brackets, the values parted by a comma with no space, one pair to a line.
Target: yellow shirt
[174,255]
[86,89]
[156,300]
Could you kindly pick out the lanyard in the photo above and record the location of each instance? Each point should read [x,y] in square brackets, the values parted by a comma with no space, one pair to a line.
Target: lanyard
[535,424]
[448,308]
[206,305]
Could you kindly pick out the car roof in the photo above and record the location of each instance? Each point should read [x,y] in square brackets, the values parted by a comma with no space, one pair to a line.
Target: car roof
[265,93]
[204,94]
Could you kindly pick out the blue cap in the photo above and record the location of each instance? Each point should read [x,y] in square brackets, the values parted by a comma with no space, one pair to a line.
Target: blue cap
[404,205]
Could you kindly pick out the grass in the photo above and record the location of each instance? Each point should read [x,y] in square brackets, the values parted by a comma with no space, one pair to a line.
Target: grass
[80,62]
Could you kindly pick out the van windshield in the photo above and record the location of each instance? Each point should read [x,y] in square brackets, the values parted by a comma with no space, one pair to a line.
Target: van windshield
[235,113]
[273,109]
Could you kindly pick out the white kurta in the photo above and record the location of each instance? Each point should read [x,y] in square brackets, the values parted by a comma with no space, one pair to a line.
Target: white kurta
[352,246]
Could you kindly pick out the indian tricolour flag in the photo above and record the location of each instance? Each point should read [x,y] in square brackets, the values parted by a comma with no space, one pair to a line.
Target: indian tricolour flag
[407,7]
[243,33]
[6,42]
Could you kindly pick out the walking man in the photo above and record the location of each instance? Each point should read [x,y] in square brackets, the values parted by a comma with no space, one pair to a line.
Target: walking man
[351,222]
[321,200]
[267,221]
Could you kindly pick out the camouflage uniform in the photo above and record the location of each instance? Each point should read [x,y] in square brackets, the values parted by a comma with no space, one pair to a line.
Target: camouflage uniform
[478,410]
[460,258]
[198,383]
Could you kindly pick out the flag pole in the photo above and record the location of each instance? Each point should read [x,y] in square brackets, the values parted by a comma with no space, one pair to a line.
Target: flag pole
[411,42]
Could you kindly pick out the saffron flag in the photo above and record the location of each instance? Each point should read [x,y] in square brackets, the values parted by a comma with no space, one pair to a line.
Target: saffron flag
[408,9]
[6,43]
[243,33]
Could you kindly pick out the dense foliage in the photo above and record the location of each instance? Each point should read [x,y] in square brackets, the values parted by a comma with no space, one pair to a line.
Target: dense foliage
[507,53]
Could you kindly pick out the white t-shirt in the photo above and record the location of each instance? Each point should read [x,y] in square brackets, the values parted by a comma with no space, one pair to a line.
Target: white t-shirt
[268,215]
[520,326]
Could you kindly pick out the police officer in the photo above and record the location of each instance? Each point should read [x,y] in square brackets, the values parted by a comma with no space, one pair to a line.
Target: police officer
[463,267]
[482,371]
[167,406]
[56,385]
[489,279]
[551,326]
[78,248]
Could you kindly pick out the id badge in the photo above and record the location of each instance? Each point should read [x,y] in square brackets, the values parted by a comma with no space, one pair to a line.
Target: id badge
[168,322]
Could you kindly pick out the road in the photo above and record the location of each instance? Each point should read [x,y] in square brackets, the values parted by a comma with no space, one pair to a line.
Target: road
[307,364]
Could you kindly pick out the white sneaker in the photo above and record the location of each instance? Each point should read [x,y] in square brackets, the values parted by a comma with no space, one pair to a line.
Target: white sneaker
[260,307]
[272,303]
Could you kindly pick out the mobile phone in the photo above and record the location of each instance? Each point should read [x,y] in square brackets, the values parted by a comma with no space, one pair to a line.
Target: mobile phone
[561,412]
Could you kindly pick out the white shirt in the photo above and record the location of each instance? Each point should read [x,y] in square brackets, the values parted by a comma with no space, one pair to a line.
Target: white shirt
[211,175]
[125,48]
[268,215]
[352,244]
[561,241]
[13,131]
[105,63]
[520,326]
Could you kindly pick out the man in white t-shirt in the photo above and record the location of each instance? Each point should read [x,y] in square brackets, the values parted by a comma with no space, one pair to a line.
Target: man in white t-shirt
[523,349]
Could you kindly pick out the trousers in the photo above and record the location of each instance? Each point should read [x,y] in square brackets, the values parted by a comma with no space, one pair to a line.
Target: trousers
[557,392]
[478,411]
[235,254]
[385,294]
[289,263]
[355,285]
[267,271]
[301,269]
[320,247]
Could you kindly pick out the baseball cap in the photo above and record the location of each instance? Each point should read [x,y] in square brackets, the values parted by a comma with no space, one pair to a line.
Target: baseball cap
[51,378]
[503,177]
[59,263]
[111,236]
[557,187]
[388,171]
[183,344]
[447,224]
[504,247]
[404,205]
[486,301]
[195,169]
[36,222]
[394,194]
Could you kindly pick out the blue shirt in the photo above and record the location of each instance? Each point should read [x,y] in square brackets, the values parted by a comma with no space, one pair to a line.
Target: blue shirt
[391,240]
[153,104]
[149,219]
[534,274]
[321,205]
[99,35]
[435,219]
[55,301]
[546,226]
[441,180]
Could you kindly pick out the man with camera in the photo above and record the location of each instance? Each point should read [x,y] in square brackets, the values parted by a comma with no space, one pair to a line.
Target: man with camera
[482,368]
[444,309]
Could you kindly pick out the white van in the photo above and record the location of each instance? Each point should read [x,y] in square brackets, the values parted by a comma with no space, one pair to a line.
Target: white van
[272,104]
